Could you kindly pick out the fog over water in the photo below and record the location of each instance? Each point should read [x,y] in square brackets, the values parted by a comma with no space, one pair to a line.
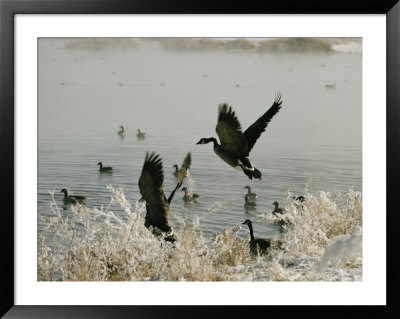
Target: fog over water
[88,89]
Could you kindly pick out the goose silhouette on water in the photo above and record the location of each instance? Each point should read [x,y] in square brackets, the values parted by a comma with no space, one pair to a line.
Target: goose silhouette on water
[188,198]
[72,199]
[300,198]
[250,197]
[104,169]
[330,86]
[176,172]
[277,210]
[151,188]
[299,202]
[122,132]
[140,135]
[259,245]
[235,146]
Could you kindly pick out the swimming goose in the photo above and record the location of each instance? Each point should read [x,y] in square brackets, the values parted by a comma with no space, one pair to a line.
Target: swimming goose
[122,132]
[104,169]
[235,146]
[281,222]
[140,135]
[260,244]
[299,198]
[188,198]
[176,173]
[298,202]
[250,197]
[277,210]
[151,188]
[330,86]
[72,199]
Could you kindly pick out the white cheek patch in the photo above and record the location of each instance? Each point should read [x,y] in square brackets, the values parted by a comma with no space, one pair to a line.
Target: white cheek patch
[239,168]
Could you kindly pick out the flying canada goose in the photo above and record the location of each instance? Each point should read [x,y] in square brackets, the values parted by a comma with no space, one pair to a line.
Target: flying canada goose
[188,198]
[140,135]
[104,169]
[151,188]
[260,244]
[72,199]
[235,145]
[122,132]
[250,197]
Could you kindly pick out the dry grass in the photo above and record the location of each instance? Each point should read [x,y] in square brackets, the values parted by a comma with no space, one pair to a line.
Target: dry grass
[89,244]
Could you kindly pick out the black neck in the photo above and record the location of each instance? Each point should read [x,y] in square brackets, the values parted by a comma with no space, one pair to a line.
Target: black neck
[248,191]
[212,139]
[251,231]
[101,165]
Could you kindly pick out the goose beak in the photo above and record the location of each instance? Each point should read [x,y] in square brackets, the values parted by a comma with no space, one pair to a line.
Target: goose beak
[198,142]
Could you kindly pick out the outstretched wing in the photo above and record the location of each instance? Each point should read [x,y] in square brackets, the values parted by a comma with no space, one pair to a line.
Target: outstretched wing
[255,130]
[230,132]
[181,175]
[150,186]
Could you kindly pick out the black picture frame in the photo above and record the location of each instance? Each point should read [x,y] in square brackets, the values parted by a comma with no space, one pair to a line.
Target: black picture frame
[8,10]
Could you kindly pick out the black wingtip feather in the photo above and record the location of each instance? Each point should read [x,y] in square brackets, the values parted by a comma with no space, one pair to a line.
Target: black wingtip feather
[278,98]
[255,130]
[224,108]
[153,164]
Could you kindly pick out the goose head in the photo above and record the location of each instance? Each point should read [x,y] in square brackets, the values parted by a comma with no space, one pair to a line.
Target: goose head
[202,141]
[247,222]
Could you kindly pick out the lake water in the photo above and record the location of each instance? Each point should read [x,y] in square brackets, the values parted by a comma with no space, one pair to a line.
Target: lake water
[85,95]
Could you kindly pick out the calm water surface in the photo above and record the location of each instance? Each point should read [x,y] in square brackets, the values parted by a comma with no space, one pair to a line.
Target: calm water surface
[85,95]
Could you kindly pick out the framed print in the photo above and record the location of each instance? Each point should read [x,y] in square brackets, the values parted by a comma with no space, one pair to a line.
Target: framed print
[108,114]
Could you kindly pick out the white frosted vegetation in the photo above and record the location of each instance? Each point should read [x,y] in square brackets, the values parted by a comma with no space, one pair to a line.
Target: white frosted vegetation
[323,242]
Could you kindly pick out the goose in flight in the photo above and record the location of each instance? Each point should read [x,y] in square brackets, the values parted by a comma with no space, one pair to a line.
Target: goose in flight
[151,188]
[235,146]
